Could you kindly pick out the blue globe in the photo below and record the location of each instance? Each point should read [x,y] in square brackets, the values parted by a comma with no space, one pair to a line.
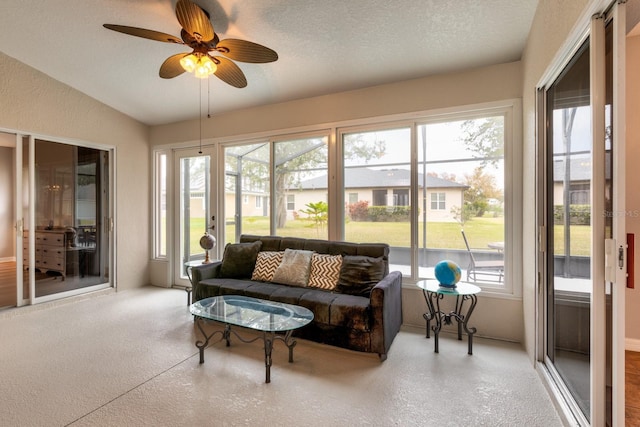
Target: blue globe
[448,273]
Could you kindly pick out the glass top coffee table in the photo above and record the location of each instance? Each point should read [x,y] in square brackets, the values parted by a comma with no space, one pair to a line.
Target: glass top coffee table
[269,317]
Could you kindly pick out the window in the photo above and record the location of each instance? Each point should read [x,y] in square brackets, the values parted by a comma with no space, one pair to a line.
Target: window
[377,162]
[438,201]
[301,184]
[401,197]
[462,170]
[160,219]
[457,178]
[247,174]
[420,180]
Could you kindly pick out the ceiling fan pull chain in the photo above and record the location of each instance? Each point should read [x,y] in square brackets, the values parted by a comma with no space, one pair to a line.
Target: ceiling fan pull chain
[200,116]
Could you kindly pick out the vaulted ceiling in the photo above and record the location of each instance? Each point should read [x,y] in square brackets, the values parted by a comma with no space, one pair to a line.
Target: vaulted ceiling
[323,46]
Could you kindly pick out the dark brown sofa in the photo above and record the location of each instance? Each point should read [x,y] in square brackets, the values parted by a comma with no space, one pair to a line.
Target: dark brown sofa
[367,322]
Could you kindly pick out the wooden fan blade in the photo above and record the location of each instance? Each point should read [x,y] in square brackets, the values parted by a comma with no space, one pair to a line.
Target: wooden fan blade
[244,51]
[171,67]
[229,72]
[194,20]
[145,34]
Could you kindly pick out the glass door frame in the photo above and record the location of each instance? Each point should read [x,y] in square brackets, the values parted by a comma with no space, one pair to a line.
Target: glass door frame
[27,218]
[605,269]
[179,278]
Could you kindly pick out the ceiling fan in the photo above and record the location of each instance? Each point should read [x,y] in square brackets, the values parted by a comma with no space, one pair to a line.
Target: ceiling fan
[197,33]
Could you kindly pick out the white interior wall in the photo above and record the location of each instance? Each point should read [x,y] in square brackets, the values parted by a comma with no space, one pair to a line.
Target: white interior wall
[36,104]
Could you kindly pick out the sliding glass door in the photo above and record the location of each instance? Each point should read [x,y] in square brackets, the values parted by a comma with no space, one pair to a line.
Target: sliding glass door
[584,262]
[67,247]
[58,212]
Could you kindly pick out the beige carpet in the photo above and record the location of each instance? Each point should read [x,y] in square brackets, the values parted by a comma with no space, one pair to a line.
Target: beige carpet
[129,359]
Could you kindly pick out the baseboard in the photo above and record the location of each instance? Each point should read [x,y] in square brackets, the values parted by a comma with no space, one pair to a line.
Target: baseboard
[631,344]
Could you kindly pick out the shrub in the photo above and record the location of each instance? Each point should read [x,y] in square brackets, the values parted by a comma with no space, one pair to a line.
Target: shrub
[389,213]
[578,214]
[358,211]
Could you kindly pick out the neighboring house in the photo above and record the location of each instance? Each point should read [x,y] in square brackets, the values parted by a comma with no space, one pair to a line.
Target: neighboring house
[579,179]
[383,187]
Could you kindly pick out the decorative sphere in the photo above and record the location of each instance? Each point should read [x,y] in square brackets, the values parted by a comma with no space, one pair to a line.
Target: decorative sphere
[207,242]
[448,273]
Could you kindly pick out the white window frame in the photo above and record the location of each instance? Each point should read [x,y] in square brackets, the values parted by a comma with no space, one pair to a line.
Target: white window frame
[291,202]
[511,109]
[161,183]
[440,199]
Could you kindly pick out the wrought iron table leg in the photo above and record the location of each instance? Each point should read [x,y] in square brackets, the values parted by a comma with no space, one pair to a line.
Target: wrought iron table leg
[431,313]
[438,315]
[268,347]
[203,344]
[457,313]
[465,321]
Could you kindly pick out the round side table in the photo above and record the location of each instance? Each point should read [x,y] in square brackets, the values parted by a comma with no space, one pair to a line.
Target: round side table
[463,292]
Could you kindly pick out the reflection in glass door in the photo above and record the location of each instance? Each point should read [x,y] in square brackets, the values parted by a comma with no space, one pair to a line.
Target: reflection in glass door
[569,230]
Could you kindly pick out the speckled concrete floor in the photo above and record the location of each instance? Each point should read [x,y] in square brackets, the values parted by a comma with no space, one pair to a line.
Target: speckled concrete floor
[129,359]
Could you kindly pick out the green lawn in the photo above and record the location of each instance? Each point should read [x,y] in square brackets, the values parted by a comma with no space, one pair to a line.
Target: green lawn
[444,235]
[480,231]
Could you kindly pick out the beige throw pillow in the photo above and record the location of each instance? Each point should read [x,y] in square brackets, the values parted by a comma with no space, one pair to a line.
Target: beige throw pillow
[325,271]
[294,268]
[266,265]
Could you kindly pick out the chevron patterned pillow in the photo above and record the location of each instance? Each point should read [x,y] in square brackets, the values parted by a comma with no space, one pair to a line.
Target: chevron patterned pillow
[266,265]
[325,271]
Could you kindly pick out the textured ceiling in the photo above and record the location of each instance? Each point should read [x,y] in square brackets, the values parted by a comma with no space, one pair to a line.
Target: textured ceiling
[323,46]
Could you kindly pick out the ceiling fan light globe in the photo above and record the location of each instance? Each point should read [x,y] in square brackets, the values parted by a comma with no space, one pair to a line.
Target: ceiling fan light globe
[189,63]
[205,67]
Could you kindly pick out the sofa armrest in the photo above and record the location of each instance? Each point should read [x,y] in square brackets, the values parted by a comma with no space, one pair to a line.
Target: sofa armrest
[386,304]
[203,272]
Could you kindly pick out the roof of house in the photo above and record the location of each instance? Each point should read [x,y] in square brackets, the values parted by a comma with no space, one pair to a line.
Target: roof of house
[380,178]
[580,167]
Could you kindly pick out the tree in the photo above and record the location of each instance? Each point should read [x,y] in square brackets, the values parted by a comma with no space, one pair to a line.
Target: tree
[318,213]
[444,175]
[482,187]
[485,138]
[464,213]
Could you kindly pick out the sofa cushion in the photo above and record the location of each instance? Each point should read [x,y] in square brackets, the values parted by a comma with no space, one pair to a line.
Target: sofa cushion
[294,268]
[319,302]
[262,290]
[325,271]
[289,294]
[359,274]
[266,264]
[239,260]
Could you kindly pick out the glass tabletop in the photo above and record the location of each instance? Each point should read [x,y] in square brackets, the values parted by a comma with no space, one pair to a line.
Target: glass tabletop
[461,288]
[195,263]
[253,313]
